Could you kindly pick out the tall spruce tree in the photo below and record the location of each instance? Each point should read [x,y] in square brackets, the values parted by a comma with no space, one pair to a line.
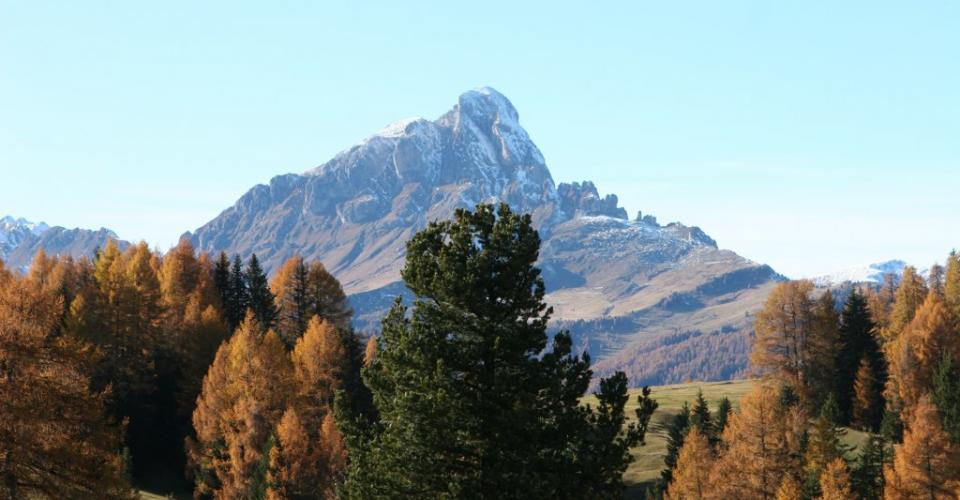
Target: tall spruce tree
[237,295]
[221,278]
[724,409]
[676,433]
[260,297]
[471,404]
[946,396]
[857,342]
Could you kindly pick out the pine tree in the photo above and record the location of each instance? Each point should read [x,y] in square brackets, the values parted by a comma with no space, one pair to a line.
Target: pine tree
[867,476]
[261,299]
[858,343]
[56,439]
[221,278]
[676,432]
[700,416]
[945,393]
[825,443]
[470,402]
[835,481]
[694,462]
[762,447]
[926,464]
[237,296]
[724,409]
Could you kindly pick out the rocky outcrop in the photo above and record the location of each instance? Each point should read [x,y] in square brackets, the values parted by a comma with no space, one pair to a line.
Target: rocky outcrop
[615,283]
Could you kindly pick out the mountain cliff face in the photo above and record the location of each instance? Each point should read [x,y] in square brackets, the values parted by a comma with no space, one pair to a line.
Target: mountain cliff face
[21,239]
[631,291]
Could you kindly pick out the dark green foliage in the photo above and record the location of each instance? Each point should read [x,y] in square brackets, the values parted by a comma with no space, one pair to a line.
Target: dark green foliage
[470,402]
[891,427]
[857,341]
[831,410]
[261,474]
[261,299]
[700,416]
[236,295]
[946,396]
[676,433]
[867,473]
[646,405]
[788,397]
[724,409]
[221,278]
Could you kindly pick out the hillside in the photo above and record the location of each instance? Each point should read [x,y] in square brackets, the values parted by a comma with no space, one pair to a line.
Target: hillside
[662,302]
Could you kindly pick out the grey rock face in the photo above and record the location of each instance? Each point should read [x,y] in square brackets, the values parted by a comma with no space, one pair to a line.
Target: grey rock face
[356,212]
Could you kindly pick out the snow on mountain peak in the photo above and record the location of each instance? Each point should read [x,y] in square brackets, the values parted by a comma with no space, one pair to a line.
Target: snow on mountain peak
[872,273]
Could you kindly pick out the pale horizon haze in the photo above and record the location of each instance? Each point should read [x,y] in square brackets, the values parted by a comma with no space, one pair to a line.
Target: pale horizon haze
[812,137]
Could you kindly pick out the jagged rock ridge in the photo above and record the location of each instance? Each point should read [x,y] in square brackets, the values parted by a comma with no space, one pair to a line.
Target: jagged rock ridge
[616,283]
[20,240]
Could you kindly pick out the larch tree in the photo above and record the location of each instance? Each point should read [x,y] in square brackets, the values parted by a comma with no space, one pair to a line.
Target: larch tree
[823,342]
[867,404]
[304,290]
[789,489]
[692,474]
[782,349]
[244,397]
[762,447]
[927,464]
[951,285]
[909,297]
[56,439]
[835,481]
[470,401]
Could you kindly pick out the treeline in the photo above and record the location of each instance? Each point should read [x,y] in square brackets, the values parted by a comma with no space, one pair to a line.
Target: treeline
[886,363]
[115,368]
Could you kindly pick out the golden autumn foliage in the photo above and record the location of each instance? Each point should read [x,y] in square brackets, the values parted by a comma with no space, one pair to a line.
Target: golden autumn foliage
[835,481]
[303,290]
[243,398]
[55,438]
[927,464]
[789,489]
[867,400]
[692,474]
[370,352]
[908,298]
[762,446]
[914,354]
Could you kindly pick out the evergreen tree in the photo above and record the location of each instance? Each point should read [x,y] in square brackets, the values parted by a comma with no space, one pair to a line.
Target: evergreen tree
[469,402]
[304,290]
[946,396]
[676,433]
[821,358]
[867,475]
[858,342]
[221,278]
[237,295]
[825,442]
[724,409]
[700,416]
[261,299]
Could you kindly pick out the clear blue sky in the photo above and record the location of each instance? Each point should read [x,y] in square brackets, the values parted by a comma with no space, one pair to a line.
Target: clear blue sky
[812,137]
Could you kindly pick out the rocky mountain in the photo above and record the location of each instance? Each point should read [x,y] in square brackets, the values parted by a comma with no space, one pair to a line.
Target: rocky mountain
[20,240]
[662,302]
